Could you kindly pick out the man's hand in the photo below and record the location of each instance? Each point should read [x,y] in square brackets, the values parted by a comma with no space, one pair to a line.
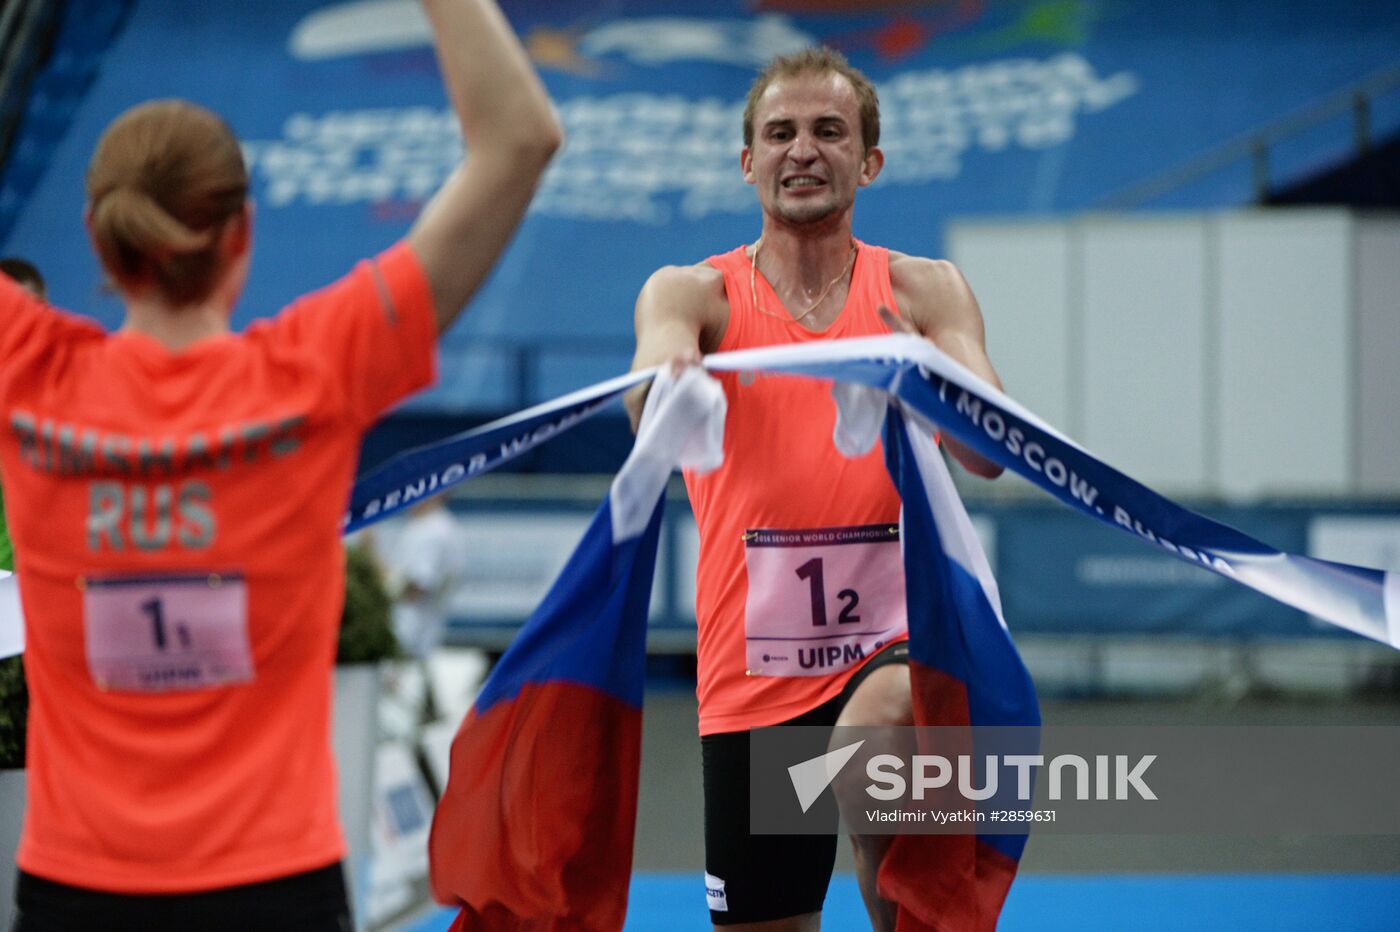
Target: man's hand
[972,461]
[684,360]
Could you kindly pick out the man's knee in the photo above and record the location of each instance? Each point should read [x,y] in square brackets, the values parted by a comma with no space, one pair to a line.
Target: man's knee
[883,699]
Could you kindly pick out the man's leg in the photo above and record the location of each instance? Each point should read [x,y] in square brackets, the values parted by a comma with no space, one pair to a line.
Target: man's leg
[883,698]
[757,883]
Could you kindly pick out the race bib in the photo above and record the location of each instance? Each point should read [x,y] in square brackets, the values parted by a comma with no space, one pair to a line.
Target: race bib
[821,600]
[164,633]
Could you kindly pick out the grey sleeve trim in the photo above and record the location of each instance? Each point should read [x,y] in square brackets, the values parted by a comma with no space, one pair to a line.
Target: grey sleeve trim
[385,298]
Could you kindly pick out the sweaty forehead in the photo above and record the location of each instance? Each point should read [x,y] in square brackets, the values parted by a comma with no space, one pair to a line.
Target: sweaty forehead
[808,97]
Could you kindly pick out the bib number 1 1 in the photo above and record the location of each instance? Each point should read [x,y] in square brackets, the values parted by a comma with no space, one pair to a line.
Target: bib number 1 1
[155,611]
[177,631]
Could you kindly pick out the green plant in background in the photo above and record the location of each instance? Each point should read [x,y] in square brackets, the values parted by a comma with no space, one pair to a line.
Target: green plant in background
[14,712]
[366,626]
[7,553]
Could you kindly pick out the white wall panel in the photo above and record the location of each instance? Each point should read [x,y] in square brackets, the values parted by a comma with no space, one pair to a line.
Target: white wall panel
[1378,355]
[1244,354]
[1286,357]
[1145,359]
[1021,276]
[515,558]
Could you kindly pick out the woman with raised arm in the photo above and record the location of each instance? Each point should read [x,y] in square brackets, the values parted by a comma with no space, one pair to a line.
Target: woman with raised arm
[175,492]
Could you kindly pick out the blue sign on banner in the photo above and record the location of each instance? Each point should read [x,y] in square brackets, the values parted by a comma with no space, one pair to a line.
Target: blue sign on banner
[1064,575]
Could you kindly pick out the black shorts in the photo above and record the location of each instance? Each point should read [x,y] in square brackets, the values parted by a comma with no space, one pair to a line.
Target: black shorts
[766,877]
[311,902]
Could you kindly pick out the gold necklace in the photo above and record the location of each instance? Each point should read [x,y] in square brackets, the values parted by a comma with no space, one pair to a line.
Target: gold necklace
[753,286]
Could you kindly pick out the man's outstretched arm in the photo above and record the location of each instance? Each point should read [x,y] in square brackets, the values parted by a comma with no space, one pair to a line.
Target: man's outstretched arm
[937,303]
[675,322]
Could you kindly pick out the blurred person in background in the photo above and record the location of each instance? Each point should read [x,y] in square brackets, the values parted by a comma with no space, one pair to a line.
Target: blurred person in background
[425,562]
[422,567]
[177,492]
[26,275]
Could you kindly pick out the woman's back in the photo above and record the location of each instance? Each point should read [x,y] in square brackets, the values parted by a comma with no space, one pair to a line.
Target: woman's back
[177,517]
[176,494]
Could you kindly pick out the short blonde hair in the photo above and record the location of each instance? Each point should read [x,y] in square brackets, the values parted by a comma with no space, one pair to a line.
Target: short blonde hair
[820,60]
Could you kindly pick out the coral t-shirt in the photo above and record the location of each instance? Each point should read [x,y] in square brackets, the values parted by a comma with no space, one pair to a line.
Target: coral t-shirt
[800,577]
[176,519]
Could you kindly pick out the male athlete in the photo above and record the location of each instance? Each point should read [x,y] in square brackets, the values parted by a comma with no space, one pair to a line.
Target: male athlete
[799,546]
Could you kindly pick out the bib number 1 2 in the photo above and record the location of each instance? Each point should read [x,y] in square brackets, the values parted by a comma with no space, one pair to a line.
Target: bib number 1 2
[812,571]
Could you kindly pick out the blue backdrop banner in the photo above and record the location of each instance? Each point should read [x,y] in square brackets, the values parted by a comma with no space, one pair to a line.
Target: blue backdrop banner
[1006,108]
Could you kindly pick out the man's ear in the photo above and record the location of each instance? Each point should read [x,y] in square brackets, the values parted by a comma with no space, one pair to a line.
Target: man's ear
[870,168]
[746,165]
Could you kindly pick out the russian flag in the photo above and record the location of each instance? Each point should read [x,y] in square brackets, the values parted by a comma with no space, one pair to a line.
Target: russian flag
[965,671]
[535,826]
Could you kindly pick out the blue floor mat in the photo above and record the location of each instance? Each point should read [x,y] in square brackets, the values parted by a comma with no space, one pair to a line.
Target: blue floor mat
[1160,903]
